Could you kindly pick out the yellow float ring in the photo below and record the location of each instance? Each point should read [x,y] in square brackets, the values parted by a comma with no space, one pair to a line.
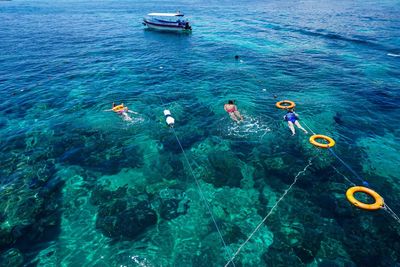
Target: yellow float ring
[330,141]
[379,203]
[118,108]
[281,106]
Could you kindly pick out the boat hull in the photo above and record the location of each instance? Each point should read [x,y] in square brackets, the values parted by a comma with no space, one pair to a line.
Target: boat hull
[163,27]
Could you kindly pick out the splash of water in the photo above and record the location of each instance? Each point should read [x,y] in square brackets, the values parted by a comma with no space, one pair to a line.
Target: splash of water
[250,127]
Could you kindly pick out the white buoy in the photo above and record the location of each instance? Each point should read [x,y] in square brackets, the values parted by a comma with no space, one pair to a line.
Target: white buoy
[170,121]
[167,113]
[168,118]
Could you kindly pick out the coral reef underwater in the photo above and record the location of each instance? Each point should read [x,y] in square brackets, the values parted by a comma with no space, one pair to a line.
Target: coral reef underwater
[79,186]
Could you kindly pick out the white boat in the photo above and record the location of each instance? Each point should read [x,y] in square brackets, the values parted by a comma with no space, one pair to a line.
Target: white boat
[167,21]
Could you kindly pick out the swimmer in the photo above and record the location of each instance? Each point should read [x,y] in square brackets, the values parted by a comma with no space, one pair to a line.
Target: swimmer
[292,118]
[233,111]
[122,110]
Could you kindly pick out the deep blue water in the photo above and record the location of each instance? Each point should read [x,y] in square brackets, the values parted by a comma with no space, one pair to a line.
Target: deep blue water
[82,187]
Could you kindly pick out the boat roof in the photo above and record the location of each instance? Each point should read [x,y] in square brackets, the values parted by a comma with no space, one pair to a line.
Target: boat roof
[178,14]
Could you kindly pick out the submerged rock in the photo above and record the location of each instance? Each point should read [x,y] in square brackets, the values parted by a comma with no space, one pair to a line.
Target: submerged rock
[278,255]
[275,163]
[310,246]
[102,196]
[134,221]
[338,118]
[6,238]
[11,258]
[169,209]
[172,208]
[336,263]
[188,137]
[43,171]
[119,222]
[226,170]
[233,234]
[29,214]
[93,150]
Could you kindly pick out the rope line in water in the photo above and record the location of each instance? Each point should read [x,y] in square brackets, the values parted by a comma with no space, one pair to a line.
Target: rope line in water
[391,212]
[342,161]
[365,183]
[202,195]
[341,174]
[270,212]
[348,167]
[307,126]
[227,250]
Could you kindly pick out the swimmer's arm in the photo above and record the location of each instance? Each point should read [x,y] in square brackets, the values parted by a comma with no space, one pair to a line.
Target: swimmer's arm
[297,116]
[225,107]
[108,110]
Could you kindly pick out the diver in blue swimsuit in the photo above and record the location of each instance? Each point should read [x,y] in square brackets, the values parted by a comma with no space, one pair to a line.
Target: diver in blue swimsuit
[293,119]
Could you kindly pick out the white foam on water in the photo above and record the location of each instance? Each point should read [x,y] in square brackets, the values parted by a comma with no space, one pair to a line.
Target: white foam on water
[393,55]
[141,262]
[249,127]
[134,120]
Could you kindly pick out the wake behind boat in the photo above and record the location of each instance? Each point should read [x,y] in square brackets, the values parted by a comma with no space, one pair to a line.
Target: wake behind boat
[167,21]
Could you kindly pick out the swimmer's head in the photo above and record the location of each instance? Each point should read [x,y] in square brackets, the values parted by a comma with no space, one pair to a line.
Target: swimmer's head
[236,57]
[113,105]
[230,102]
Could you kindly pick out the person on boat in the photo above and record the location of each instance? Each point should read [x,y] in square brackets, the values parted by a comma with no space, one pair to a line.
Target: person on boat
[122,110]
[233,111]
[293,119]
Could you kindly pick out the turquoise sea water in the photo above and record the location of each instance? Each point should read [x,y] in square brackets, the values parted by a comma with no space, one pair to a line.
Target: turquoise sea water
[82,187]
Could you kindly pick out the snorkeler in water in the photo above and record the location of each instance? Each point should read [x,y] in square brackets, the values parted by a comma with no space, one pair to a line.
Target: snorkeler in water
[122,110]
[233,111]
[293,119]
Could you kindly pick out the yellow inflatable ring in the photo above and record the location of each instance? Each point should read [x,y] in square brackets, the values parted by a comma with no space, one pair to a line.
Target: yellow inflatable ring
[118,108]
[374,206]
[281,106]
[330,141]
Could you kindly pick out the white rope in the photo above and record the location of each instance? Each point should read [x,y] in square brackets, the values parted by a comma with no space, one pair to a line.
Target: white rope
[307,126]
[391,212]
[385,207]
[202,194]
[269,213]
[199,189]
